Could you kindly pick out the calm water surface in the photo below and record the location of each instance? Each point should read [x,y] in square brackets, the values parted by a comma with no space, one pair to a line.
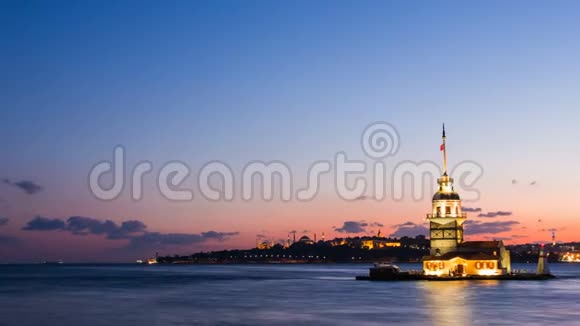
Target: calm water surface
[274,295]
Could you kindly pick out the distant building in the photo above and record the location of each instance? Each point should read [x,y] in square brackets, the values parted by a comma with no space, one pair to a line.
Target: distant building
[571,257]
[306,240]
[450,255]
[263,245]
[366,242]
[377,243]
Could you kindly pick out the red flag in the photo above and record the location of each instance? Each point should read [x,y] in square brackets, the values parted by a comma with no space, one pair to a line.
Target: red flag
[442,147]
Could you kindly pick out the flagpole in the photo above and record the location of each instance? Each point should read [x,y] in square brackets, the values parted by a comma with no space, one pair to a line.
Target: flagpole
[444,152]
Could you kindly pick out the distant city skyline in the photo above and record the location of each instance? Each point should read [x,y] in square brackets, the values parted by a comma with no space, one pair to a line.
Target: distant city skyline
[295,83]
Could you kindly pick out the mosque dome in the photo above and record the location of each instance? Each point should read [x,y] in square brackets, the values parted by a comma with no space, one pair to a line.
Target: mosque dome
[306,240]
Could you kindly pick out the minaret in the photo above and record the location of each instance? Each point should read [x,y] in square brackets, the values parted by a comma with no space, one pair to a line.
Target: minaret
[553,238]
[314,237]
[446,219]
[322,236]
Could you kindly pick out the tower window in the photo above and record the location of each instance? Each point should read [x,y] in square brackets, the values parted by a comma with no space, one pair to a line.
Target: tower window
[448,210]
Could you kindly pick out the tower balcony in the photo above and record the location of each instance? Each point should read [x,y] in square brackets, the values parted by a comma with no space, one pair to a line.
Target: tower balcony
[462,215]
[448,218]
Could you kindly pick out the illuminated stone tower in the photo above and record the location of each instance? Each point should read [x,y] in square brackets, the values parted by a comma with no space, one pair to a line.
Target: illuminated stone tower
[446,219]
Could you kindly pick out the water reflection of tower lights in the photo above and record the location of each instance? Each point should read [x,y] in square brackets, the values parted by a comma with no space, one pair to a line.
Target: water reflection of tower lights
[455,309]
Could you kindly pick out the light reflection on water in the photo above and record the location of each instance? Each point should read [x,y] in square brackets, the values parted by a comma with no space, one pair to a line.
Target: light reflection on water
[274,294]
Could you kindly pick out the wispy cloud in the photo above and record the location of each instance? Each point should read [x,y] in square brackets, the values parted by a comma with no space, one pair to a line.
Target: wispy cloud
[495,214]
[4,220]
[150,240]
[27,186]
[471,209]
[409,229]
[474,227]
[8,240]
[352,227]
[220,236]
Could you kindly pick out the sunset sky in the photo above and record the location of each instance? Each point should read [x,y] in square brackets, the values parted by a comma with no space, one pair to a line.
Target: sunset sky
[295,82]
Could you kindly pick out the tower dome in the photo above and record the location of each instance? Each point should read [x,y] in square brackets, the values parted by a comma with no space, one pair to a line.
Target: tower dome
[446,196]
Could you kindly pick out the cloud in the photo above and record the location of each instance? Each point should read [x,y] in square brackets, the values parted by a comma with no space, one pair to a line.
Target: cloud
[81,225]
[477,227]
[150,240]
[471,209]
[133,230]
[497,238]
[9,240]
[409,229]
[377,224]
[511,237]
[352,227]
[220,236]
[27,186]
[404,224]
[4,220]
[40,223]
[494,214]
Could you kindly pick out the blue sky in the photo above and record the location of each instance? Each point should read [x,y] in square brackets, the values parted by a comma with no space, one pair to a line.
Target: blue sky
[297,81]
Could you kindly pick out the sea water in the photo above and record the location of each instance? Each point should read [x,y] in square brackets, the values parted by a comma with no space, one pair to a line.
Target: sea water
[322,294]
